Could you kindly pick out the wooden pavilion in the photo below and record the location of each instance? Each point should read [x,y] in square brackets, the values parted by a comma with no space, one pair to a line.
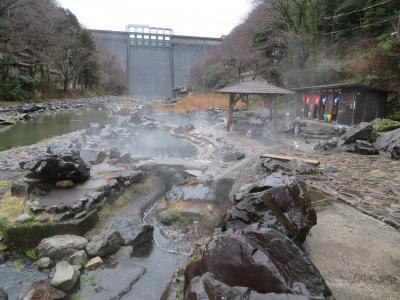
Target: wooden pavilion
[252,86]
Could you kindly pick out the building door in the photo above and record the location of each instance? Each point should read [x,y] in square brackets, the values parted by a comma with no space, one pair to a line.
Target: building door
[322,110]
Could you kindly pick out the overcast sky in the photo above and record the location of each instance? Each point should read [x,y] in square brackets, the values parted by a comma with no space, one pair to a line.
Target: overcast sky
[186,17]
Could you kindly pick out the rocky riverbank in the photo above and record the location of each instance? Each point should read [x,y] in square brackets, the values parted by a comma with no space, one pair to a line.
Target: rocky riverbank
[12,113]
[151,193]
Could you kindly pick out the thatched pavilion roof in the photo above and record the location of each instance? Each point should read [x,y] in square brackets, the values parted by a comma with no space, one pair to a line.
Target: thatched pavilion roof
[257,86]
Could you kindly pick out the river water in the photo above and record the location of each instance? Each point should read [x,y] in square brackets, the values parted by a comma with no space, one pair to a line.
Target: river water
[47,126]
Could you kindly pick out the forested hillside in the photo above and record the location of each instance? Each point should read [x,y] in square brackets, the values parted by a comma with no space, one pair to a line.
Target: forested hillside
[309,42]
[45,52]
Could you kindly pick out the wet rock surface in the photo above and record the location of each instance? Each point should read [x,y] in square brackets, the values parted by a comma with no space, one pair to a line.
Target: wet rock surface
[112,283]
[40,290]
[132,232]
[264,261]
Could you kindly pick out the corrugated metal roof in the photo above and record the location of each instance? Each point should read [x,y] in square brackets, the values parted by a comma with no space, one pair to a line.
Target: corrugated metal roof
[257,86]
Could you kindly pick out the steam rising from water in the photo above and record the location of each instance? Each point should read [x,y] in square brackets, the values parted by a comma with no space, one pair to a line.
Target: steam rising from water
[158,143]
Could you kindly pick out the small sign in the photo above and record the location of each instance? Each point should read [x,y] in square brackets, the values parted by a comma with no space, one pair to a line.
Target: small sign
[316,100]
[335,100]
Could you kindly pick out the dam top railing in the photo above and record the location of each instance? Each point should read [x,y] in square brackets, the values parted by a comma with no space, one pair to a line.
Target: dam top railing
[142,35]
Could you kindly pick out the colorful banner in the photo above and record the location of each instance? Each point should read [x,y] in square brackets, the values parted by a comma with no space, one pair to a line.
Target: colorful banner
[336,99]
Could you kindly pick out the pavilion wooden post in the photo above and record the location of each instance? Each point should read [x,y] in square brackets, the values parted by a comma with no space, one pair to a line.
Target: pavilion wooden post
[230,112]
[274,112]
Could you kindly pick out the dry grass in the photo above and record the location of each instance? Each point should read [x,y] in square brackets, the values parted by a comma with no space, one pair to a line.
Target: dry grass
[11,207]
[197,102]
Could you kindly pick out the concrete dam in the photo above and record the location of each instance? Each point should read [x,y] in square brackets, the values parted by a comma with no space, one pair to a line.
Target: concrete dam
[156,61]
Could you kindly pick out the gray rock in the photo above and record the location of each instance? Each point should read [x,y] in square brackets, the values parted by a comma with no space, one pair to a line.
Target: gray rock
[56,167]
[114,153]
[94,263]
[43,263]
[66,276]
[363,131]
[94,129]
[61,246]
[19,188]
[227,153]
[105,243]
[365,148]
[131,232]
[327,145]
[199,193]
[7,122]
[24,218]
[93,156]
[388,140]
[395,153]
[3,294]
[124,252]
[42,218]
[79,258]
[41,290]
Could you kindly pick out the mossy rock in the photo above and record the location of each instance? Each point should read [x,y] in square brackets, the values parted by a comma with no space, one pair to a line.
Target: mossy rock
[30,234]
[382,125]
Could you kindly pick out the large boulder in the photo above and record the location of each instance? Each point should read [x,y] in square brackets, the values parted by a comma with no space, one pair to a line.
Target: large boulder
[207,287]
[363,131]
[57,167]
[388,140]
[65,277]
[278,201]
[264,261]
[105,243]
[364,148]
[61,246]
[40,290]
[395,154]
[29,107]
[131,232]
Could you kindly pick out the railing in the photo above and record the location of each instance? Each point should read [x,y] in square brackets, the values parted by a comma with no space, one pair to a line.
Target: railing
[141,35]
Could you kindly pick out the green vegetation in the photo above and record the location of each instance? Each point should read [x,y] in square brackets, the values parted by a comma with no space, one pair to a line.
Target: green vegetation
[45,52]
[88,279]
[31,253]
[311,42]
[11,207]
[18,264]
[77,296]
[382,125]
